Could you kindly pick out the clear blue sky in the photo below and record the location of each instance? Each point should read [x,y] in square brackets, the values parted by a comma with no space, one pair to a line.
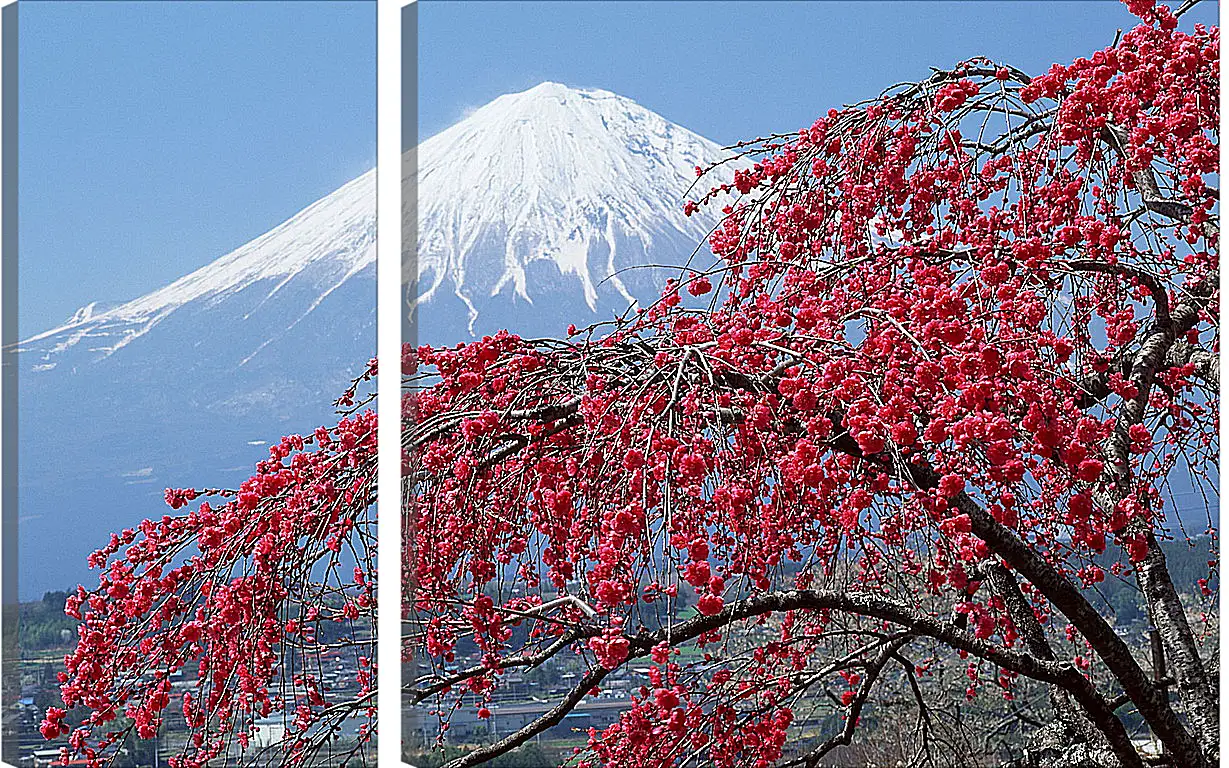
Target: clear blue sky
[155,137]
[734,70]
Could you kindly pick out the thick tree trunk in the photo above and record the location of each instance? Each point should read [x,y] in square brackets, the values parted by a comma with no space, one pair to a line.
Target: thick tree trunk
[1182,654]
[1152,574]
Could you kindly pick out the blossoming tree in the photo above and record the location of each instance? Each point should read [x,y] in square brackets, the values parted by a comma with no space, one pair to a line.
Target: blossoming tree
[260,599]
[956,354]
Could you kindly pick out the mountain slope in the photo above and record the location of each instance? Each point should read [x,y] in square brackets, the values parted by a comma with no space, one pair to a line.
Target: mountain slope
[323,246]
[535,210]
[184,385]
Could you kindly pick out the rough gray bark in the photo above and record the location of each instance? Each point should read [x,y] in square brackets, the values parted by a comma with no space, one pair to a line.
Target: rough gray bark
[1164,606]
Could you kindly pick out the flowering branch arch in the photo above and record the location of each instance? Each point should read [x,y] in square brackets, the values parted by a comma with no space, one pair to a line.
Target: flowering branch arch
[959,343]
[261,599]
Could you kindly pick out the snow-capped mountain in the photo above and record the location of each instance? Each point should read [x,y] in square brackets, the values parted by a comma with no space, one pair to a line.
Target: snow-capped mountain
[537,209]
[532,214]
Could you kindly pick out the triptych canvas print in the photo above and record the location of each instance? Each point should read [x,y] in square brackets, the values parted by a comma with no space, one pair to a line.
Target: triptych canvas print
[610,384]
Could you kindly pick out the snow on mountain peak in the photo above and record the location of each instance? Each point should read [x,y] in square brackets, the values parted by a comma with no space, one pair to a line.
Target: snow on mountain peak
[333,237]
[583,179]
[551,193]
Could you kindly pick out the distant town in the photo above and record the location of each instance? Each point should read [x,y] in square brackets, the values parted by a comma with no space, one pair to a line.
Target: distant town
[46,635]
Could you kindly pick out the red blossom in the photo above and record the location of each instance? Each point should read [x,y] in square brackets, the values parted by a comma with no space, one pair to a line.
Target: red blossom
[929,343]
